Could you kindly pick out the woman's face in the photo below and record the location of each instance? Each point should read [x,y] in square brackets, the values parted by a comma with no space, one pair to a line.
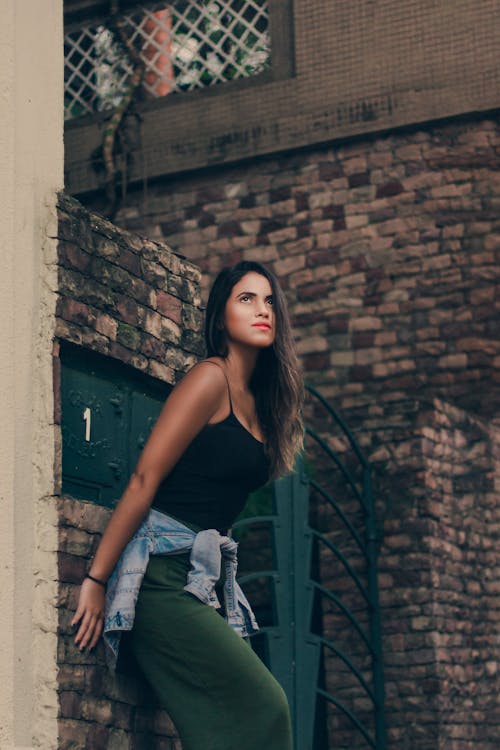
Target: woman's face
[249,314]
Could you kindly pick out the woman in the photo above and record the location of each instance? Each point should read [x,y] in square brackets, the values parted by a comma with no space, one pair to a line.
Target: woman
[232,423]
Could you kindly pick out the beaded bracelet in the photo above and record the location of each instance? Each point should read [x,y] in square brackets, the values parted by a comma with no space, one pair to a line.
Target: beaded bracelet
[96,580]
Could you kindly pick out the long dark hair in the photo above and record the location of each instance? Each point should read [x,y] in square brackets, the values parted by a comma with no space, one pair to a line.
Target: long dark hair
[276,381]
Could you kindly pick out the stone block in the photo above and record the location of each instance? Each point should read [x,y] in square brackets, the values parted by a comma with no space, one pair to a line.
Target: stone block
[71,568]
[183,289]
[170,332]
[312,344]
[105,248]
[356,221]
[169,306]
[128,336]
[162,372]
[152,347]
[72,735]
[76,542]
[288,265]
[87,516]
[107,326]
[153,273]
[282,235]
[95,709]
[355,166]
[70,704]
[452,361]
[365,323]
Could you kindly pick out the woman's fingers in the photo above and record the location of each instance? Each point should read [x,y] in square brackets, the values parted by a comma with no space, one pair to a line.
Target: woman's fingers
[89,615]
[84,627]
[97,632]
[89,631]
[78,614]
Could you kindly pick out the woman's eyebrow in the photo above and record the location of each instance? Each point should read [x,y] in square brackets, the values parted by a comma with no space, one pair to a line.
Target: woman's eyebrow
[254,294]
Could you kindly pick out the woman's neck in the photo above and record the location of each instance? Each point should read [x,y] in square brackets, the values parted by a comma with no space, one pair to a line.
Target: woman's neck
[241,362]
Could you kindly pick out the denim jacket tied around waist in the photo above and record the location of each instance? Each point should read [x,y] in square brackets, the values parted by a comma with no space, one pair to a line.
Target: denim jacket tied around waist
[159,534]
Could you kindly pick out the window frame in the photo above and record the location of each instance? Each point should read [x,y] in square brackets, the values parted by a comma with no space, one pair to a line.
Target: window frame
[281,67]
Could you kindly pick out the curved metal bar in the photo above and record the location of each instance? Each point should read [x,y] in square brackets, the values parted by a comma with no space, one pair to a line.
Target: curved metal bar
[345,473]
[340,422]
[375,627]
[346,611]
[253,519]
[350,665]
[326,496]
[345,563]
[349,714]
[246,578]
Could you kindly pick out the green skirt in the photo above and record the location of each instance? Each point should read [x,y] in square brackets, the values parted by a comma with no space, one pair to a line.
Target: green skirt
[215,688]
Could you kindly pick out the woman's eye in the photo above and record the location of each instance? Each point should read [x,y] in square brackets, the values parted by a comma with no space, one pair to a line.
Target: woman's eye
[270,301]
[244,298]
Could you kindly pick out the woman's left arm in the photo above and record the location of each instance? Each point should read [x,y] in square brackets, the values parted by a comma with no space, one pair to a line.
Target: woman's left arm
[188,408]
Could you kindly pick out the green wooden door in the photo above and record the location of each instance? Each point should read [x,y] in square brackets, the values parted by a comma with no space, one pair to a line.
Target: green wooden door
[107,412]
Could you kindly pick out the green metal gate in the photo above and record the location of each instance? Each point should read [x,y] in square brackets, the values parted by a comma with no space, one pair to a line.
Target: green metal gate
[309,565]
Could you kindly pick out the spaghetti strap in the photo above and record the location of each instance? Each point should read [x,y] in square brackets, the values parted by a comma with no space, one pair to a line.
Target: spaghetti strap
[209,362]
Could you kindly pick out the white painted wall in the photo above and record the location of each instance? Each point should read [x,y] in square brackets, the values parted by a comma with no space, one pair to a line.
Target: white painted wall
[31,172]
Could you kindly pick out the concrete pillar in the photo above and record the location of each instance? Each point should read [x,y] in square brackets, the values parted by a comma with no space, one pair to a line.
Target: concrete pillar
[31,172]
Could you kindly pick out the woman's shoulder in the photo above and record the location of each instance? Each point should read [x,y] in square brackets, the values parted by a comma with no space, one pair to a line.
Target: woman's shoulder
[202,388]
[207,373]
[213,365]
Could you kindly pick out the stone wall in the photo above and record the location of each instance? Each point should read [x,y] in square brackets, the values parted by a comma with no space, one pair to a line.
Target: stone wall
[439,562]
[388,249]
[125,296]
[137,302]
[437,476]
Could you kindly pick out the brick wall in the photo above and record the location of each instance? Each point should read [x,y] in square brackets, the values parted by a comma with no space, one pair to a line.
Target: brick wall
[137,302]
[437,476]
[388,251]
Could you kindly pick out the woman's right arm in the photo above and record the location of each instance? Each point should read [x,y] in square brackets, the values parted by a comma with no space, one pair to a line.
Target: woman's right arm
[189,407]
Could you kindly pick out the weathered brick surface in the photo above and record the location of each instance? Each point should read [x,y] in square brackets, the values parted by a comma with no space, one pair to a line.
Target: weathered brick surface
[98,711]
[388,250]
[437,475]
[128,298]
[125,296]
[438,580]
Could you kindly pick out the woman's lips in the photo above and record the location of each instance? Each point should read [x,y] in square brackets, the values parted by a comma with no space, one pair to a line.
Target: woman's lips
[264,326]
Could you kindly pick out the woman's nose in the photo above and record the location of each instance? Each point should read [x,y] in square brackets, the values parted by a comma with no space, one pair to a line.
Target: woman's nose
[263,309]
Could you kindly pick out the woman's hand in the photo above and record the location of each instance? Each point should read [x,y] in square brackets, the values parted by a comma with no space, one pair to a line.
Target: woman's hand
[90,614]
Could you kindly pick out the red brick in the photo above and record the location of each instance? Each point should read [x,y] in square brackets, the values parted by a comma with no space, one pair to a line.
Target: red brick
[75,312]
[128,310]
[388,189]
[71,568]
[70,704]
[169,306]
[73,256]
[359,179]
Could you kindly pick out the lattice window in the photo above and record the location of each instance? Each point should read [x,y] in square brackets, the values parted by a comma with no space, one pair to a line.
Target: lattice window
[183,45]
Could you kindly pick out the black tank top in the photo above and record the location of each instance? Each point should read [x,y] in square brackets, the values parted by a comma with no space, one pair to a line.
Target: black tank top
[210,483]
